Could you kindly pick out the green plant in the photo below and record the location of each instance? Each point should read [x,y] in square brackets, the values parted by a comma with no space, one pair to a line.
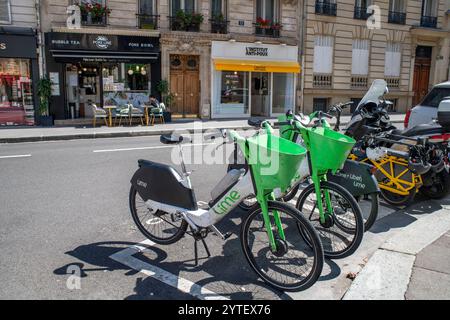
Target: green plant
[218,18]
[44,91]
[166,96]
[196,19]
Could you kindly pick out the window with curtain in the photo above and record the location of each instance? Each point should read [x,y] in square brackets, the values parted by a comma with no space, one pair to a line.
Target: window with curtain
[185,5]
[360,57]
[323,54]
[5,12]
[397,5]
[363,3]
[267,9]
[429,8]
[392,59]
[218,7]
[147,7]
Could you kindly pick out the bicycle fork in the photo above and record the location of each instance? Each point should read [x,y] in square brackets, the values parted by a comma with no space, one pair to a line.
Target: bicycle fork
[263,200]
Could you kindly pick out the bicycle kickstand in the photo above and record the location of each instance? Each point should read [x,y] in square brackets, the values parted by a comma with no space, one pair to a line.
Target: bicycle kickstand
[196,250]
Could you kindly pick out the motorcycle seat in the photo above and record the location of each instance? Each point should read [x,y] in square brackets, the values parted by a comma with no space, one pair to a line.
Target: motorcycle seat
[421,129]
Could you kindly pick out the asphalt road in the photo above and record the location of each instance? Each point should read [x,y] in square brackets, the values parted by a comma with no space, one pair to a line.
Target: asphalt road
[64,211]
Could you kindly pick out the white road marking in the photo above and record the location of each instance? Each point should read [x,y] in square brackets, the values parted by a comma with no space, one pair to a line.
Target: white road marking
[148,148]
[16,156]
[126,257]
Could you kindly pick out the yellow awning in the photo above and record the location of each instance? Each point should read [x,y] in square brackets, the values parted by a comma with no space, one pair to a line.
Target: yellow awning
[259,66]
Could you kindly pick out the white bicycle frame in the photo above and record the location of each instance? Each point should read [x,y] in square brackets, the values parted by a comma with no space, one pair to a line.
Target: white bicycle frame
[207,218]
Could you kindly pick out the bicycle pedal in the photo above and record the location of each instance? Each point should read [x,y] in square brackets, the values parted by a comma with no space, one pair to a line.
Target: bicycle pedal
[227,235]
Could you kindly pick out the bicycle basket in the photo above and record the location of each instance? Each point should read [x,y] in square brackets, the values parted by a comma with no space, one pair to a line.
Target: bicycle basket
[328,149]
[274,161]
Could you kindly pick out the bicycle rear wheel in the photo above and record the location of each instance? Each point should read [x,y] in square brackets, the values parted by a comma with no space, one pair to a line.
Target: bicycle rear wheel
[297,264]
[156,226]
[342,232]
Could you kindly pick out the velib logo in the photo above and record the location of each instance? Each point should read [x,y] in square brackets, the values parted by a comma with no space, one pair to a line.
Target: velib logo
[226,203]
[102,42]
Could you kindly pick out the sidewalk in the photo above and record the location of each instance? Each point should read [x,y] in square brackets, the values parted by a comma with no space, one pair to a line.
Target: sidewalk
[412,264]
[31,134]
[430,277]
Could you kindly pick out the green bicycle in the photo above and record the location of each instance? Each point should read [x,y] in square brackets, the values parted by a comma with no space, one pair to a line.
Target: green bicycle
[332,210]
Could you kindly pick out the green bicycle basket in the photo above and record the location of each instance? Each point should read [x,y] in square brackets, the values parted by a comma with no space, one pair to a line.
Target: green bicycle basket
[274,161]
[328,149]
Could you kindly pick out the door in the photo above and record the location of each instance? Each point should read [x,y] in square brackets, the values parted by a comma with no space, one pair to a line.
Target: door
[260,93]
[421,73]
[185,84]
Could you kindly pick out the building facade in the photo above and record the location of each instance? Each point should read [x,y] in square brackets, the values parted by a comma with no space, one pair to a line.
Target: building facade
[174,41]
[19,67]
[100,53]
[408,45]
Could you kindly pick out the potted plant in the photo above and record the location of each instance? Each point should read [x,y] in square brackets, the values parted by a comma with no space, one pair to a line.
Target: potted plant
[263,23]
[166,97]
[218,23]
[179,21]
[196,20]
[44,91]
[93,13]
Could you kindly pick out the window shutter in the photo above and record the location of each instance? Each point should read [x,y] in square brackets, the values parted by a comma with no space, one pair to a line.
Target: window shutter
[323,54]
[392,60]
[5,15]
[360,57]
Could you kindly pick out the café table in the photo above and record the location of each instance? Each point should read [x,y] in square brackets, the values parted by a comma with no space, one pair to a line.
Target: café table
[110,111]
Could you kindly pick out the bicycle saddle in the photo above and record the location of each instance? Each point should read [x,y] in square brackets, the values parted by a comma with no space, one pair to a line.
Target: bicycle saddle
[170,139]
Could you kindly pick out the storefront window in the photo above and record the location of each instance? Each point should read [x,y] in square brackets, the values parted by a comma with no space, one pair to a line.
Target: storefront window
[283,92]
[16,95]
[231,92]
[126,83]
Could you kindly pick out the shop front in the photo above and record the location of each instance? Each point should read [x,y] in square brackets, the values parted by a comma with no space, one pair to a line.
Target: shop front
[251,79]
[102,69]
[18,72]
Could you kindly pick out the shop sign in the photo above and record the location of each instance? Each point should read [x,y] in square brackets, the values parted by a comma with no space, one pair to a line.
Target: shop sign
[256,51]
[18,46]
[80,41]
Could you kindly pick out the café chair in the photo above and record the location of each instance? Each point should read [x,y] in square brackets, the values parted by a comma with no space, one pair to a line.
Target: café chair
[157,113]
[99,113]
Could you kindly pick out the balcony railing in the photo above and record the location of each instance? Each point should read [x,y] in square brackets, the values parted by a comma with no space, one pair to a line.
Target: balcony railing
[393,82]
[185,22]
[219,26]
[267,31]
[87,19]
[361,13]
[428,22]
[326,8]
[397,17]
[358,82]
[147,21]
[322,81]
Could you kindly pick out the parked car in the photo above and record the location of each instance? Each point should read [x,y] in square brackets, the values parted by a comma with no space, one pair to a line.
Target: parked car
[426,111]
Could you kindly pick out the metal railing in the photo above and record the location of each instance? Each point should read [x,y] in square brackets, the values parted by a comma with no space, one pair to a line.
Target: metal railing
[393,83]
[147,21]
[428,21]
[326,8]
[361,13]
[219,26]
[267,31]
[397,17]
[88,20]
[178,24]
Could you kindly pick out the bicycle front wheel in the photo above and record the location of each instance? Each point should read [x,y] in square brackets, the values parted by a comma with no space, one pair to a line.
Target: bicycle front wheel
[342,232]
[296,265]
